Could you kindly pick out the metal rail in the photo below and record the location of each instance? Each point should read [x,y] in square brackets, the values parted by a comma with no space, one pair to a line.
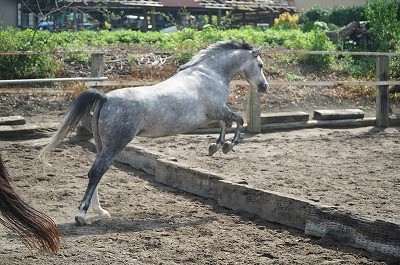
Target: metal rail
[51,80]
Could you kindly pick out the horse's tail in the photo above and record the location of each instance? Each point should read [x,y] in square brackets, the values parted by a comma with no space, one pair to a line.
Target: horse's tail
[35,228]
[79,108]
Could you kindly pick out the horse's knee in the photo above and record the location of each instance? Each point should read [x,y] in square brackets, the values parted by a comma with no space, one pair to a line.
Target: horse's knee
[240,121]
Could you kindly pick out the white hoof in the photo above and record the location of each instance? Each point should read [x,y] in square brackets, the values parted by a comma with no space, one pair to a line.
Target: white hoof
[80,218]
[102,215]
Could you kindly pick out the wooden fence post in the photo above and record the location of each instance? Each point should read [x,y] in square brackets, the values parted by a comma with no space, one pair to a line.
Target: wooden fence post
[97,65]
[96,70]
[382,92]
[253,111]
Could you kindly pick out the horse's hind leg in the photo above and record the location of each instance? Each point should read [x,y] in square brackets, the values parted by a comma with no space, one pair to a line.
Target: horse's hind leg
[101,213]
[226,115]
[236,138]
[103,161]
[221,140]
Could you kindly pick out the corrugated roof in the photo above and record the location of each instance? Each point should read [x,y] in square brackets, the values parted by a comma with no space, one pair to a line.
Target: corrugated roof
[252,5]
[249,5]
[180,3]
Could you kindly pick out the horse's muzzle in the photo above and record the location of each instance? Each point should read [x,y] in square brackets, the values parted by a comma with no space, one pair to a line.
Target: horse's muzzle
[262,87]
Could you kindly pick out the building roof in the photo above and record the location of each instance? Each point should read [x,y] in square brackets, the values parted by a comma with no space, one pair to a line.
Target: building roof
[245,5]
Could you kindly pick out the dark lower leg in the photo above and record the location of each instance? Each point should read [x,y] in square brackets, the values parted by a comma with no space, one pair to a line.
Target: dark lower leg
[236,138]
[220,141]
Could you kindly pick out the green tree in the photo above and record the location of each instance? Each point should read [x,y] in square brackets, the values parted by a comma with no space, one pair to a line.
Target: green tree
[384,24]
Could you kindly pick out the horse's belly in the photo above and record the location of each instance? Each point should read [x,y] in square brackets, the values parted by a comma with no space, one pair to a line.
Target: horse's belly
[161,129]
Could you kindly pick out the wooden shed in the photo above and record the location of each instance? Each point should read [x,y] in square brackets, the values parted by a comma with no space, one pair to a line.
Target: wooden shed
[243,12]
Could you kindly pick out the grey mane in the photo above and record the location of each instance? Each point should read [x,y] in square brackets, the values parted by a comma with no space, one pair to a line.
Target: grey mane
[215,49]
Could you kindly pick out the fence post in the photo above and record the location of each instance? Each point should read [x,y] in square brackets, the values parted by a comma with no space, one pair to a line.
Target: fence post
[96,70]
[253,111]
[382,92]
[97,65]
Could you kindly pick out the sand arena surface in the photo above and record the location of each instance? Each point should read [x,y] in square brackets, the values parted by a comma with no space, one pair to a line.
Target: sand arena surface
[151,223]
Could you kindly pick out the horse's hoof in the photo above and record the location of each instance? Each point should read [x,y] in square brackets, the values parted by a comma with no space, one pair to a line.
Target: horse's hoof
[104,214]
[97,218]
[212,149]
[80,221]
[227,147]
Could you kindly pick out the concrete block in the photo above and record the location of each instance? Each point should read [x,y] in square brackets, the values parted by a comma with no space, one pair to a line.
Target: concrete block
[340,114]
[271,206]
[12,120]
[347,228]
[196,181]
[139,158]
[283,117]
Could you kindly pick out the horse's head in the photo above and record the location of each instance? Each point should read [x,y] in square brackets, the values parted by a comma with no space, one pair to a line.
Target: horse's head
[253,71]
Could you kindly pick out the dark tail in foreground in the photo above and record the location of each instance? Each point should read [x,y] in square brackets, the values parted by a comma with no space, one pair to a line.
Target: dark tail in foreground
[35,228]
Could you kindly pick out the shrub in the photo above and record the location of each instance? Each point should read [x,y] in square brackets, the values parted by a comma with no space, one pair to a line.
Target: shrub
[340,16]
[384,24]
[315,40]
[286,21]
[26,66]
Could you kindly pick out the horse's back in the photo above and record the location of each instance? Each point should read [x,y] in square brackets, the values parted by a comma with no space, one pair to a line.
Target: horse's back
[159,110]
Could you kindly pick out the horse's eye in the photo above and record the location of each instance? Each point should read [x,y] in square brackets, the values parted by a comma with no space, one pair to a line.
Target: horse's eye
[261,65]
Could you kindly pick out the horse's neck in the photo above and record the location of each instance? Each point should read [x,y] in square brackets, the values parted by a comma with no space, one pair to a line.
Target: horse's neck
[228,65]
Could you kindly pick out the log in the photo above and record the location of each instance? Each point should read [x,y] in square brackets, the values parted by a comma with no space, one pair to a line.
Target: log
[354,30]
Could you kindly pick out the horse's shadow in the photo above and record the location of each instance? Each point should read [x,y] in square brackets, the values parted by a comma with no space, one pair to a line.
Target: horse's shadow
[372,132]
[119,225]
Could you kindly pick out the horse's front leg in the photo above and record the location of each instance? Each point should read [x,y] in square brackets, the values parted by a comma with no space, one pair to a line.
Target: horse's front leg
[221,140]
[228,146]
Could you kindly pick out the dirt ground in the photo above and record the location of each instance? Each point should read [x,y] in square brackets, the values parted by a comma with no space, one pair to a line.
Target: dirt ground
[154,224]
[151,223]
[352,169]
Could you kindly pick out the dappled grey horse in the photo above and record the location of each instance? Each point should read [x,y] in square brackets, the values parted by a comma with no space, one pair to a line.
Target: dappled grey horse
[192,98]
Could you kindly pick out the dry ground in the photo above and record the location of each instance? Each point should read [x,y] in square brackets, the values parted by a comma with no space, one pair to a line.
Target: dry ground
[151,223]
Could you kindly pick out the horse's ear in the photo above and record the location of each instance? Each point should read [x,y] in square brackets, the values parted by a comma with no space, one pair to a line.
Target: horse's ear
[257,51]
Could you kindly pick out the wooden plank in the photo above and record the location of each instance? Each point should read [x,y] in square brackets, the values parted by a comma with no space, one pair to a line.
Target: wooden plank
[35,90]
[281,117]
[51,80]
[11,131]
[134,83]
[382,92]
[123,83]
[12,120]
[340,114]
[319,124]
[277,51]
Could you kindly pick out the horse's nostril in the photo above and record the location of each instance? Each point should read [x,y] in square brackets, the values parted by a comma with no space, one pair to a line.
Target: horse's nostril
[263,87]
